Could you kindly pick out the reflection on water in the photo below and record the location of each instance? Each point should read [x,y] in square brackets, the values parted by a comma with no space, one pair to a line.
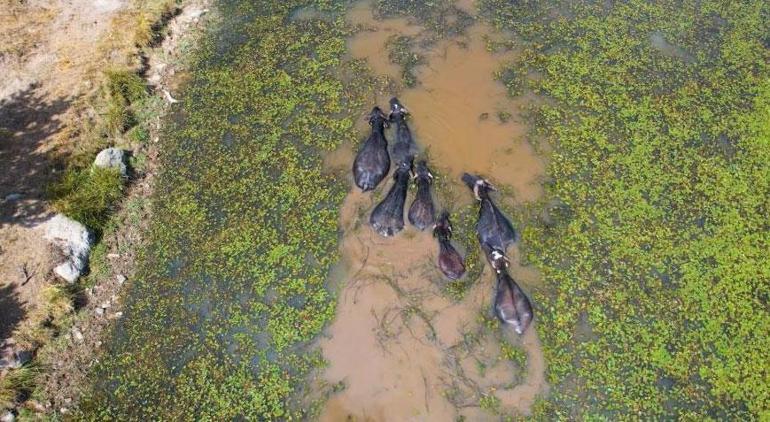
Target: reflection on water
[402,348]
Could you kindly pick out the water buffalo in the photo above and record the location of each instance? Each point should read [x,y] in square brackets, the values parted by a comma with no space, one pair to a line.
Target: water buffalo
[403,146]
[512,306]
[493,229]
[373,162]
[449,260]
[387,218]
[421,212]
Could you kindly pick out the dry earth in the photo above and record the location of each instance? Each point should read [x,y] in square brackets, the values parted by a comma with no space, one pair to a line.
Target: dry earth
[47,55]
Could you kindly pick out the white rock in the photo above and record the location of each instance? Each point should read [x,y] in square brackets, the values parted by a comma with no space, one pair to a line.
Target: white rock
[77,335]
[7,416]
[121,279]
[99,311]
[167,94]
[75,242]
[196,13]
[111,157]
[68,271]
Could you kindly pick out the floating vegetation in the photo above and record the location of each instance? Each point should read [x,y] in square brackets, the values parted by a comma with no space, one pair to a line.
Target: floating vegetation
[438,20]
[655,264]
[441,18]
[400,51]
[232,286]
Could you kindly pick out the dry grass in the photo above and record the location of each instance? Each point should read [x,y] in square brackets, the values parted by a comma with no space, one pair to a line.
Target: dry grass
[47,318]
[39,328]
[17,18]
[146,19]
[15,382]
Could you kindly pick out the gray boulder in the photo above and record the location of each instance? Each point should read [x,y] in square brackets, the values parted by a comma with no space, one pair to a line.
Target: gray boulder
[13,359]
[112,158]
[74,240]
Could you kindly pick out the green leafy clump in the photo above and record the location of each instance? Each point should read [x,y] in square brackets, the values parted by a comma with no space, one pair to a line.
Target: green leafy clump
[16,382]
[125,85]
[88,195]
[512,79]
[490,403]
[401,52]
[656,277]
[123,88]
[231,289]
[513,354]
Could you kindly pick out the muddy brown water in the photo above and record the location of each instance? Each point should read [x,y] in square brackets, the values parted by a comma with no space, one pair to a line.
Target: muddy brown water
[400,346]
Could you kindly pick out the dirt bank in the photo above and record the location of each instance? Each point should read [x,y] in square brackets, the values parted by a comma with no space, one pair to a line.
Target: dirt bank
[52,55]
[47,50]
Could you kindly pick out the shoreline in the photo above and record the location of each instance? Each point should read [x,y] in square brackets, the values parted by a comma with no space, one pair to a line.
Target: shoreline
[60,365]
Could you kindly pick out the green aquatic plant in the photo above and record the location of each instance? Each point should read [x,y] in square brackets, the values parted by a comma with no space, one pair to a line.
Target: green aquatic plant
[490,403]
[442,18]
[401,52]
[439,19]
[654,302]
[513,354]
[231,289]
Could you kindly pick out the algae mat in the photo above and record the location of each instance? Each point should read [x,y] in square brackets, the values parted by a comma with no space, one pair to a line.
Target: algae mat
[232,286]
[654,237]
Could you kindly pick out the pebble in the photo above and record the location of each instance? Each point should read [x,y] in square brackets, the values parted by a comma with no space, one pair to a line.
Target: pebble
[99,311]
[121,279]
[7,416]
[77,335]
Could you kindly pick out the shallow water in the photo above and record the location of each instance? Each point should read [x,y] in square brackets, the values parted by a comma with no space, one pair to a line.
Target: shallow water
[455,109]
[402,348]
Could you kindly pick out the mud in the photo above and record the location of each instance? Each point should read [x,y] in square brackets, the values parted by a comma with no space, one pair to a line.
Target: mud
[402,349]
